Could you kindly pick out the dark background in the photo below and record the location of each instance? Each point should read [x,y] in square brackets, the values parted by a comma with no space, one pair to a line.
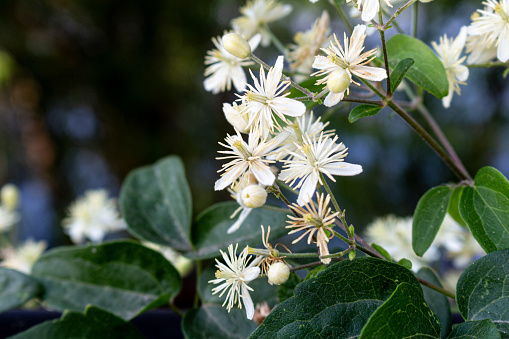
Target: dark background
[99,87]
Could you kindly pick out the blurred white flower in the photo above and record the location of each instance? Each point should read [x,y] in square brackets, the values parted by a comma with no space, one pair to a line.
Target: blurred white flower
[248,157]
[234,277]
[8,218]
[9,197]
[225,69]
[478,52]
[315,156]
[92,217]
[23,257]
[308,44]
[256,15]
[349,59]
[369,8]
[266,101]
[493,25]
[449,52]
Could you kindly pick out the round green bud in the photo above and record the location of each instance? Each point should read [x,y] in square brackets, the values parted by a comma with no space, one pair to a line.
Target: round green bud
[236,45]
[338,81]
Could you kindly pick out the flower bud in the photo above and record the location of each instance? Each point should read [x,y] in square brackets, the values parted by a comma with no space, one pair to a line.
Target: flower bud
[426,1]
[10,196]
[278,273]
[338,81]
[236,116]
[253,196]
[236,45]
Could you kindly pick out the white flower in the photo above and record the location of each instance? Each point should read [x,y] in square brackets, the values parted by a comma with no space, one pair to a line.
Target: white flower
[308,44]
[23,257]
[449,52]
[8,218]
[478,52]
[369,8]
[237,191]
[225,69]
[234,277]
[315,156]
[314,220]
[255,17]
[266,101]
[248,157]
[237,116]
[349,59]
[278,273]
[304,125]
[394,234]
[493,26]
[92,216]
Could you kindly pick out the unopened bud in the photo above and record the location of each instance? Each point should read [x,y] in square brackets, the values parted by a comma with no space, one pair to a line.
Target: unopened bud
[278,273]
[338,81]
[425,1]
[237,116]
[253,196]
[9,196]
[236,45]
[351,255]
[183,265]
[351,229]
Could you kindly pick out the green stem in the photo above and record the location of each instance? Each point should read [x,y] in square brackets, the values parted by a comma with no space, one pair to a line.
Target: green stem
[348,241]
[336,206]
[415,18]
[280,195]
[364,101]
[373,88]
[298,255]
[436,288]
[337,255]
[398,12]
[384,50]
[313,264]
[489,64]
[198,275]
[343,16]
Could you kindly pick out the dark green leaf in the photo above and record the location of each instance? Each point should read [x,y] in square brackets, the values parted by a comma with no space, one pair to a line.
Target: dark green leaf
[286,290]
[382,251]
[482,291]
[428,216]
[313,273]
[435,300]
[338,302]
[454,206]
[427,72]
[484,329]
[156,203]
[213,321]
[263,291]
[405,263]
[399,72]
[485,209]
[94,324]
[362,111]
[16,289]
[209,230]
[123,278]
[404,315]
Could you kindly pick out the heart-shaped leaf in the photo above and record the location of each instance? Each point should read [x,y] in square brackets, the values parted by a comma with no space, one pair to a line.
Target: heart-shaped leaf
[16,289]
[362,111]
[484,329]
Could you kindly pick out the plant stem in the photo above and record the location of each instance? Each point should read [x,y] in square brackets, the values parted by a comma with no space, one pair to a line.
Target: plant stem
[336,206]
[175,309]
[364,101]
[342,15]
[298,255]
[198,275]
[415,18]
[337,255]
[436,288]
[381,30]
[280,195]
[489,64]
[398,12]
[296,268]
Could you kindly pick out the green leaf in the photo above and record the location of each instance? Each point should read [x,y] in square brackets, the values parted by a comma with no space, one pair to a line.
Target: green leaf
[427,72]
[428,216]
[213,321]
[16,289]
[314,272]
[382,251]
[123,278]
[263,291]
[287,289]
[399,72]
[156,203]
[454,206]
[484,329]
[95,323]
[482,291]
[209,230]
[435,300]
[338,302]
[485,209]
[362,111]
[404,315]
[405,263]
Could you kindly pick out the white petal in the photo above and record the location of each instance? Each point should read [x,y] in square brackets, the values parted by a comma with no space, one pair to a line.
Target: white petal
[370,73]
[369,11]
[446,101]
[288,106]
[239,78]
[263,173]
[333,98]
[343,169]
[358,32]
[255,41]
[229,177]
[248,302]
[251,273]
[461,39]
[503,45]
[322,62]
[461,72]
[308,189]
[243,215]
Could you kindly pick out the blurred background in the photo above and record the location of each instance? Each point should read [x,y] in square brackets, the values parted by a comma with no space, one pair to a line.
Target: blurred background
[92,89]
